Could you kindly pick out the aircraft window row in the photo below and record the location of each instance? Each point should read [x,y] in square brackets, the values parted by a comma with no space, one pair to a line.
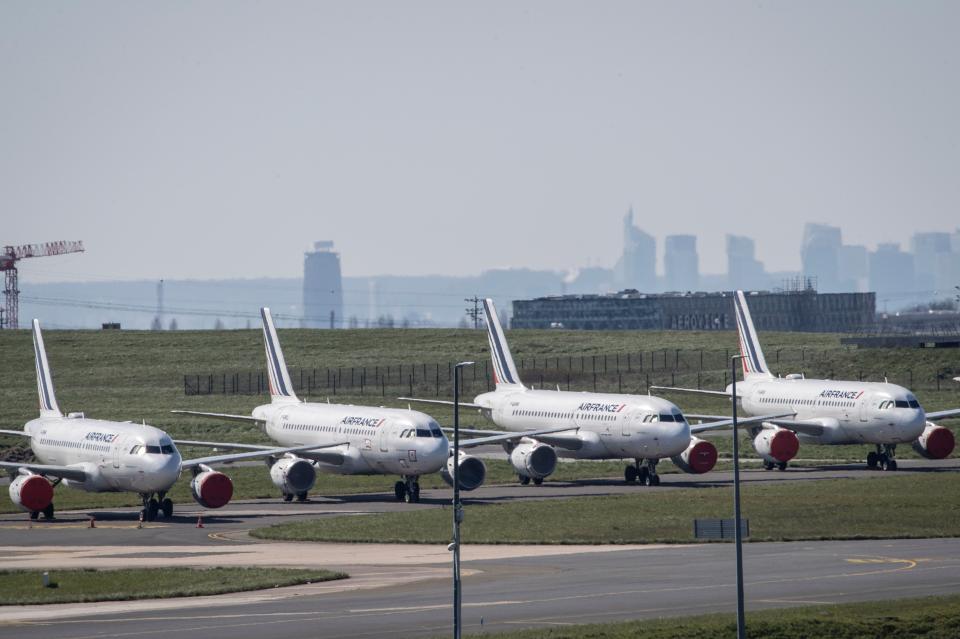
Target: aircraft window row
[805,402]
[542,413]
[598,417]
[330,429]
[79,445]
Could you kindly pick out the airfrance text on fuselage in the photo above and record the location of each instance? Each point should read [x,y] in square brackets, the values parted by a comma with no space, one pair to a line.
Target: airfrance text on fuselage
[602,408]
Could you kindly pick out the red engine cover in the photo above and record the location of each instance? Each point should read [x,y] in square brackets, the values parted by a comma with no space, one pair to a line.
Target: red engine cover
[784,445]
[703,457]
[212,489]
[35,492]
[939,442]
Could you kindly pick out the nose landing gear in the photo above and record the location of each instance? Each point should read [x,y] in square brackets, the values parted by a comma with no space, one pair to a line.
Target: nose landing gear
[408,490]
[883,458]
[643,471]
[154,505]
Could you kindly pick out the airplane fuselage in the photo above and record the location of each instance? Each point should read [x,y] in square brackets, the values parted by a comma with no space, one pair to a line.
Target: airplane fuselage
[611,426]
[379,440]
[851,412]
[117,456]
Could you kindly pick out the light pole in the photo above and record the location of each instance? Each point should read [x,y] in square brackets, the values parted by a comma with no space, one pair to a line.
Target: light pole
[457,508]
[741,622]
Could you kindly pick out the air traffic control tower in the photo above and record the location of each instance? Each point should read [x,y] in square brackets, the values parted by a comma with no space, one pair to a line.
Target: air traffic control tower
[322,287]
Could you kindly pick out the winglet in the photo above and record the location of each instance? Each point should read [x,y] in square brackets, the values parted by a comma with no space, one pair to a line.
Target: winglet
[281,389]
[504,370]
[48,400]
[754,364]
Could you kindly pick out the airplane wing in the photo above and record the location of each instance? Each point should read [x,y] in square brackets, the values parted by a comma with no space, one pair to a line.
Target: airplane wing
[697,391]
[15,432]
[548,436]
[265,452]
[247,419]
[62,472]
[442,402]
[324,454]
[940,414]
[726,422]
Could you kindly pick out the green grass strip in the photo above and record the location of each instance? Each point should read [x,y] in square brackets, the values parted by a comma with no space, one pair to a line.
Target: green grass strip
[823,509]
[928,617]
[18,587]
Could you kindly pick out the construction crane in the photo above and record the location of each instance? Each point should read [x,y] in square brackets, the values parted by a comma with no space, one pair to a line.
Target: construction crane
[8,264]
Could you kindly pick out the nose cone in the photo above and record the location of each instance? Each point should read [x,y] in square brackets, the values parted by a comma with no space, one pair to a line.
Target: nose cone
[675,439]
[433,453]
[164,470]
[912,423]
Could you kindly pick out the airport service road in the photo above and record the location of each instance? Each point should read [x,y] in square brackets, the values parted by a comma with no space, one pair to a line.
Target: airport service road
[119,526]
[535,591]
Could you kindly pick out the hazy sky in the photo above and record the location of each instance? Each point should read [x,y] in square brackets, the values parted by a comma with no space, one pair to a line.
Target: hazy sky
[219,139]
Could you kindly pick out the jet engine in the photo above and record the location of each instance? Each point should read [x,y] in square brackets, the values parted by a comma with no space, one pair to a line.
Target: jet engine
[699,457]
[935,442]
[211,489]
[31,493]
[533,459]
[776,445]
[293,475]
[472,472]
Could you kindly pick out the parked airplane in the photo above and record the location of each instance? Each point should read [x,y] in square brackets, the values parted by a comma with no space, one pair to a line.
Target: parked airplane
[97,455]
[831,412]
[593,425]
[357,440]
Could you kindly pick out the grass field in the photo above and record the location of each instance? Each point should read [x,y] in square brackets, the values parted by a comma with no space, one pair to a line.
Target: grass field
[857,509]
[20,587]
[929,618]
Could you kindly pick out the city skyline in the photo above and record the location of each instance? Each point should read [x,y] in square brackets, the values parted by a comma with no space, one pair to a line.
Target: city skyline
[429,138]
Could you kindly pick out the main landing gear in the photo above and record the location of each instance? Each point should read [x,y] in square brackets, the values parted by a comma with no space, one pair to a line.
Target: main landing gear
[155,505]
[47,512]
[883,458]
[408,490]
[301,496]
[643,471]
[771,465]
[524,480]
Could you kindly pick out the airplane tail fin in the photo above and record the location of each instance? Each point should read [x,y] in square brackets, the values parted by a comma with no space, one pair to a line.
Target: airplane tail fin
[754,364]
[504,371]
[48,400]
[281,389]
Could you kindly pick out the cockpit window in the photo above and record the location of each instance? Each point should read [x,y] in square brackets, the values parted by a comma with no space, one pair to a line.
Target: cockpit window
[665,417]
[902,403]
[435,430]
[423,432]
[913,403]
[167,449]
[154,450]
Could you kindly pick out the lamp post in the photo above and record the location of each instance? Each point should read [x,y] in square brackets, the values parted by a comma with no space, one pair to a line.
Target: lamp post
[457,507]
[741,622]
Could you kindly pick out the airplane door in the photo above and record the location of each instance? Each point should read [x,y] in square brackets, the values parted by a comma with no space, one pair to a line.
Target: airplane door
[864,402]
[116,453]
[384,442]
[627,419]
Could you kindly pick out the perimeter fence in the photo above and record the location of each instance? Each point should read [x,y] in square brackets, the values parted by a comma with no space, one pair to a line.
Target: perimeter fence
[616,372]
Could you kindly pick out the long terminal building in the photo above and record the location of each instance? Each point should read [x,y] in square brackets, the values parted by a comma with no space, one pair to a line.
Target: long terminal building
[803,311]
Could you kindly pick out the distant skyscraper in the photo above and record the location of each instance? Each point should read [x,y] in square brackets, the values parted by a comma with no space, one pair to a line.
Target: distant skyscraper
[927,249]
[743,269]
[852,268]
[891,277]
[322,287]
[820,256]
[681,264]
[639,257]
